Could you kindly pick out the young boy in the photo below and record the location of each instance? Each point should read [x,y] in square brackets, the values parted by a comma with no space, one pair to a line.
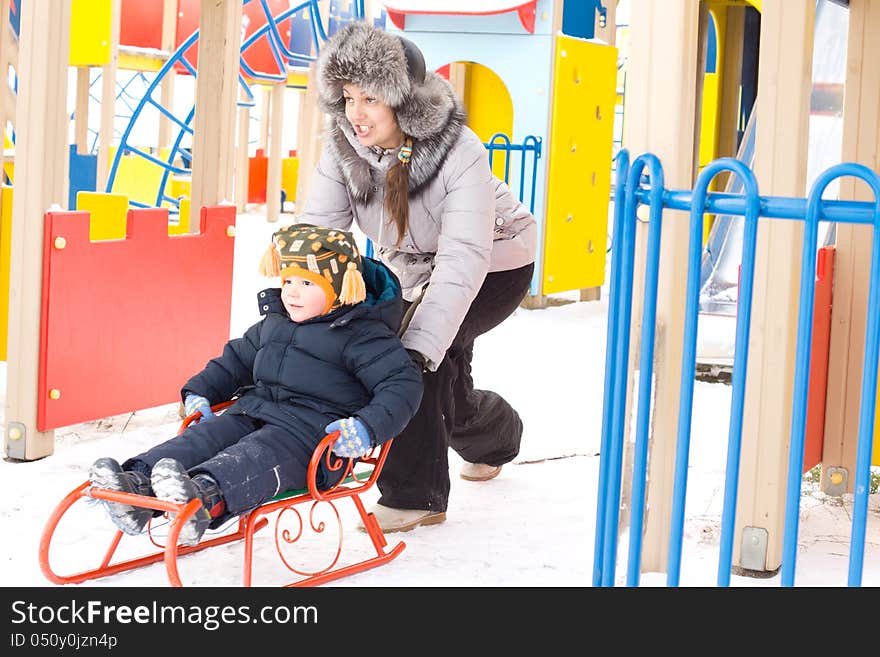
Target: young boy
[326,356]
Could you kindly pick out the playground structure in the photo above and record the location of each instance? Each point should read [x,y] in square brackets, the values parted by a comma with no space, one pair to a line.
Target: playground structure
[780,361]
[136,197]
[657,88]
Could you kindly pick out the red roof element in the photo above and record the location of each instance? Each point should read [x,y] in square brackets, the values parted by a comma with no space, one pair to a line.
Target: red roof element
[399,9]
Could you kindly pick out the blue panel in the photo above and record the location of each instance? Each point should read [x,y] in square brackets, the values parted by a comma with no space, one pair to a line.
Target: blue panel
[712,47]
[579,18]
[15,15]
[83,175]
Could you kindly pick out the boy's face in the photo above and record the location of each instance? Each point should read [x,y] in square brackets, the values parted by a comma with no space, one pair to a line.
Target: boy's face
[302,298]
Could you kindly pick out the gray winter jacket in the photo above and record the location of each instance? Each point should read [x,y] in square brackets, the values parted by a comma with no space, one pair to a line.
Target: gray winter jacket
[463,222]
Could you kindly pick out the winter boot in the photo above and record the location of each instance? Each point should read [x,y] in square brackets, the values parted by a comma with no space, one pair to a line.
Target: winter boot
[479,471]
[107,473]
[172,484]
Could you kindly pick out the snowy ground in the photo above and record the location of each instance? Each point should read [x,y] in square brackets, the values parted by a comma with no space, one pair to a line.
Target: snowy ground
[532,526]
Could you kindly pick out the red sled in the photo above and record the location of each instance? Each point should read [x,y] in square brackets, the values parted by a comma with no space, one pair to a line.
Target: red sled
[350,487]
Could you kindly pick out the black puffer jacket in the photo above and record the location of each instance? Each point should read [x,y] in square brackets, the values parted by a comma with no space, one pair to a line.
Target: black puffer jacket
[303,376]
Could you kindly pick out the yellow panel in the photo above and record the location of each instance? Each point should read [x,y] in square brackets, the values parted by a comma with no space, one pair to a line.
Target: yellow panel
[182,225]
[9,157]
[289,175]
[90,32]
[137,178]
[108,214]
[136,60]
[180,186]
[5,256]
[489,109]
[709,119]
[579,165]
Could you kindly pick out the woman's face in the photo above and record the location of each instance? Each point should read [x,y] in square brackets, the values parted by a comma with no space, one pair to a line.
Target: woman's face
[373,121]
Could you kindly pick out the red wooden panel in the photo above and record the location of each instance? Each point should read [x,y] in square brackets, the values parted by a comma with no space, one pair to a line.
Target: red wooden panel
[125,323]
[258,170]
[141,24]
[259,55]
[818,386]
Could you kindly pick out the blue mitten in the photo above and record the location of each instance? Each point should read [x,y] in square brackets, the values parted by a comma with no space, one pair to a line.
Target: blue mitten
[194,403]
[354,438]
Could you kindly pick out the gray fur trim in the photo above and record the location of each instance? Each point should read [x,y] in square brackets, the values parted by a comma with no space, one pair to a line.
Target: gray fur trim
[375,61]
[366,56]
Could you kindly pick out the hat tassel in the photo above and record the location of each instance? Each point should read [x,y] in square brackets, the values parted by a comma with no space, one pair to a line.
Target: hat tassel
[354,290]
[270,263]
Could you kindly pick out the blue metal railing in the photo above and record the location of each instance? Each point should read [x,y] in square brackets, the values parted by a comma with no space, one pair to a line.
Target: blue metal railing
[530,144]
[633,188]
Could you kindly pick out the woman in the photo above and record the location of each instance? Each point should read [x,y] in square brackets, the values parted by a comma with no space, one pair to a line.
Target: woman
[399,161]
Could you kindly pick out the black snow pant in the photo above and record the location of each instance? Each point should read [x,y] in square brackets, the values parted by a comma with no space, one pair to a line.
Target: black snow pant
[252,461]
[478,424]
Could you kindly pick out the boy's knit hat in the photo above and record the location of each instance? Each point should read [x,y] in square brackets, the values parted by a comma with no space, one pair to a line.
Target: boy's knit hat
[328,257]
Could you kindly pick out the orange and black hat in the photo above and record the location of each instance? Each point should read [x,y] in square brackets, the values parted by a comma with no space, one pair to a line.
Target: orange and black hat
[328,257]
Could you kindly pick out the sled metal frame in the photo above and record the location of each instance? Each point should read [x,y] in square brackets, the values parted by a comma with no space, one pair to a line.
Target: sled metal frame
[351,485]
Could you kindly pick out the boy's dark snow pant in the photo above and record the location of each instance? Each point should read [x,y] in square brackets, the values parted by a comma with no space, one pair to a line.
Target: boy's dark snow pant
[251,461]
[478,424]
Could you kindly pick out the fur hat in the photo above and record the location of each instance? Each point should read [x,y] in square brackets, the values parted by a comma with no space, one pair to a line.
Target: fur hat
[392,68]
[328,257]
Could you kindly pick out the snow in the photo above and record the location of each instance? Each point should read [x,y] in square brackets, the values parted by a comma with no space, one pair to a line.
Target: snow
[531,526]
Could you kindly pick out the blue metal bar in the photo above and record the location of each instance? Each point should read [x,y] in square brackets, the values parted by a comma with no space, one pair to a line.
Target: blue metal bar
[801,379]
[740,361]
[869,391]
[174,150]
[537,146]
[646,361]
[169,64]
[623,310]
[169,115]
[610,369]
[277,43]
[507,147]
[688,365]
[772,207]
[155,160]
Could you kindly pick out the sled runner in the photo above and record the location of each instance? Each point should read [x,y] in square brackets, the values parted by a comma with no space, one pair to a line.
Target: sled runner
[297,505]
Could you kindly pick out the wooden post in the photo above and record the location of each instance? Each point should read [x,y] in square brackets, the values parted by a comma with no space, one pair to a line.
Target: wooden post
[660,87]
[852,258]
[40,182]
[607,32]
[784,84]
[108,99]
[81,113]
[216,94]
[458,79]
[166,87]
[308,137]
[273,172]
[242,159]
[8,57]
[265,111]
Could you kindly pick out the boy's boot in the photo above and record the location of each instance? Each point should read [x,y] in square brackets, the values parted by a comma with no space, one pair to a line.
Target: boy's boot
[172,484]
[107,473]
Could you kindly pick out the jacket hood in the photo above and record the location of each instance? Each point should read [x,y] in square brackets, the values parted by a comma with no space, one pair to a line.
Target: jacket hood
[392,68]
[383,303]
